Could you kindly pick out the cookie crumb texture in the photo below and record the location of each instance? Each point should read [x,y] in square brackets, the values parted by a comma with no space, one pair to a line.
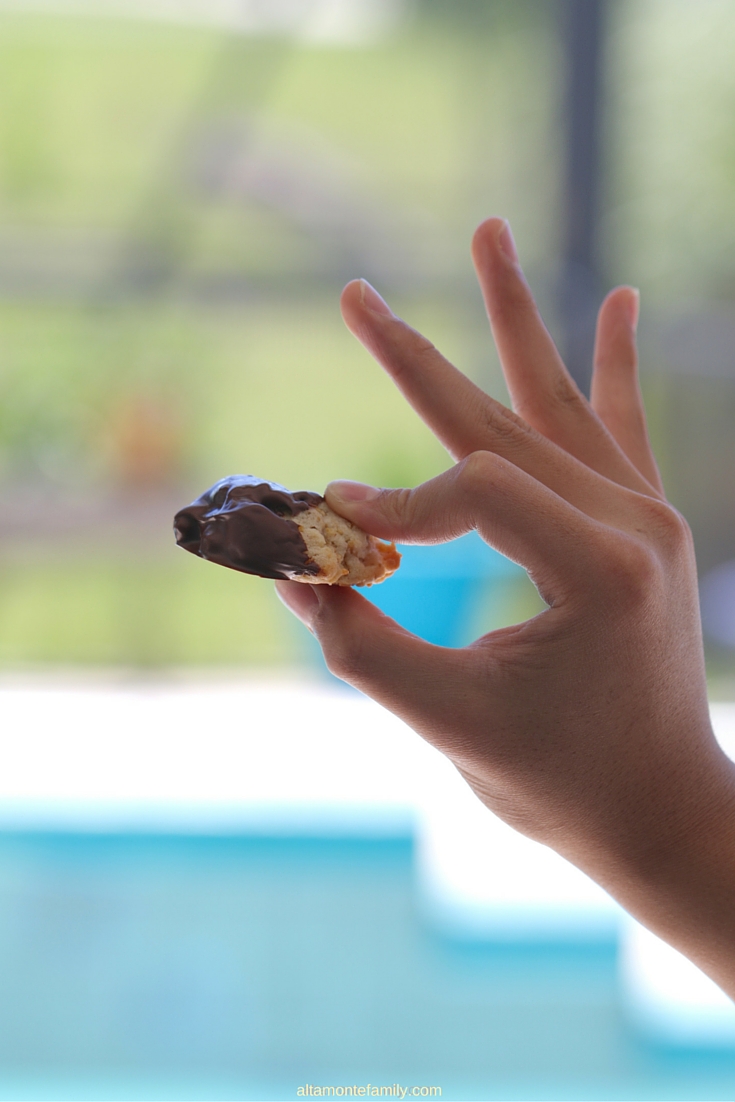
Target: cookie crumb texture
[344,553]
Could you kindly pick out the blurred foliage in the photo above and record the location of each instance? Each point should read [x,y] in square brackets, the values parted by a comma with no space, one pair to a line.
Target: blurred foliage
[103,125]
[152,613]
[126,275]
[180,207]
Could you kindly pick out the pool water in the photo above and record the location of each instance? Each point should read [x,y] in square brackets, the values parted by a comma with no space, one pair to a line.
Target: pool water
[244,966]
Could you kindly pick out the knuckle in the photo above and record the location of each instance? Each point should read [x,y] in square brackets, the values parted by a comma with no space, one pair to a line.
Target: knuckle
[503,425]
[406,348]
[673,525]
[638,564]
[416,347]
[666,527]
[344,657]
[633,573]
[421,345]
[566,393]
[476,472]
[398,507]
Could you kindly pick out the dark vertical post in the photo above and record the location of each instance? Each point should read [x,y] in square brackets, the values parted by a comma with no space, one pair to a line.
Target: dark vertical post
[583,30]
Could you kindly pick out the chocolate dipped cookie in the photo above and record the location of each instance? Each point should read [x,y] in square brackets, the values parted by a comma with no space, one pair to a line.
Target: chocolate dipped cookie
[262,528]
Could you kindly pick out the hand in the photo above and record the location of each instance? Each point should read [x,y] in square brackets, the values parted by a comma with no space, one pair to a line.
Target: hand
[587,727]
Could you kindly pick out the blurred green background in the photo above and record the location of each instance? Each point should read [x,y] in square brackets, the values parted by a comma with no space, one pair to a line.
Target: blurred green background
[181,203]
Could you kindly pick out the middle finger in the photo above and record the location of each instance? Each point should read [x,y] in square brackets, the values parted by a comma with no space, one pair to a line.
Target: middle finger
[541,388]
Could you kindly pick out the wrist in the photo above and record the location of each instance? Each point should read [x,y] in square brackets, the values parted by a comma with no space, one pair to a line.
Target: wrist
[678,879]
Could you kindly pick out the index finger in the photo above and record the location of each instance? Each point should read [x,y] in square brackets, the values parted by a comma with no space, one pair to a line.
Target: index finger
[452,406]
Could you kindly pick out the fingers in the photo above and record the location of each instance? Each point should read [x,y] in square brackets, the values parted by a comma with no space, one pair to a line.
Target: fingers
[558,544]
[616,396]
[542,390]
[456,410]
[464,418]
[413,678]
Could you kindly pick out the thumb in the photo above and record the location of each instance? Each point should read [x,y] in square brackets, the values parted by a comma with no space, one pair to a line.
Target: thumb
[412,678]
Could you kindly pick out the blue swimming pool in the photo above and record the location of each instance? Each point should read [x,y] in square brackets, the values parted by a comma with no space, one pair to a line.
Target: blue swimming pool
[242,967]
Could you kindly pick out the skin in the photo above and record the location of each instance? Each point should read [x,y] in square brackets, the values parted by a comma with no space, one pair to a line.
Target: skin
[587,727]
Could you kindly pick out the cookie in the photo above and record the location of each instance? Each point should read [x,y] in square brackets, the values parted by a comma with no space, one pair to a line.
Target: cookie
[261,528]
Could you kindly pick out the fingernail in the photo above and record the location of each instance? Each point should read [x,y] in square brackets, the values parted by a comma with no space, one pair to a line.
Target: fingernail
[635,305]
[299,598]
[352,491]
[370,298]
[506,244]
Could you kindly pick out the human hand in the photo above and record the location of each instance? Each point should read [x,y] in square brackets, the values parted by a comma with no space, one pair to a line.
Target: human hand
[587,727]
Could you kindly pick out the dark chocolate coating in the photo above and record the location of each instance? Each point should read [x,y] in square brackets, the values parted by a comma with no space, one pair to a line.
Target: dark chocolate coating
[244,522]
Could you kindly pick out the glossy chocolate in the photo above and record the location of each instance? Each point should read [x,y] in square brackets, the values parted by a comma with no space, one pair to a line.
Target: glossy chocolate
[245,523]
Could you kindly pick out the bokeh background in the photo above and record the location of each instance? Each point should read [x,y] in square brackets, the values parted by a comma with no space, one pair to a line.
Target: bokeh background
[184,190]
[186,186]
